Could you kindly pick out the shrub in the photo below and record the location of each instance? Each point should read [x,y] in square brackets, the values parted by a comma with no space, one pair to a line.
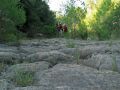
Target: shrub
[81,33]
[103,34]
[23,78]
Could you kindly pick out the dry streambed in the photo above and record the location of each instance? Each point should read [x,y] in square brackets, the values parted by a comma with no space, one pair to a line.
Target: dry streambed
[60,64]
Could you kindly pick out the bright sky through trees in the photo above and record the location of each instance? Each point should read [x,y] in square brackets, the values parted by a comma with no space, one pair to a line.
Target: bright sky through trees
[56,5]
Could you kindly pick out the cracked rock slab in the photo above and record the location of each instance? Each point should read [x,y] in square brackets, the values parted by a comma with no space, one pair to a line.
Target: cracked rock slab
[76,77]
[52,57]
[103,62]
[26,67]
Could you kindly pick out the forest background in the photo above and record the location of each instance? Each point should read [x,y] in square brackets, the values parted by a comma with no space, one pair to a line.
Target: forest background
[92,20]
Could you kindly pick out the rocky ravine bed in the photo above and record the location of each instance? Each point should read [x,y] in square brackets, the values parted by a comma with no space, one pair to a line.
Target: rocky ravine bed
[61,64]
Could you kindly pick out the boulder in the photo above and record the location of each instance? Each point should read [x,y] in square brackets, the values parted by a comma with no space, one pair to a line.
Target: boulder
[26,67]
[103,62]
[78,77]
[8,49]
[84,52]
[52,57]
[118,63]
[54,88]
[9,57]
[4,85]
[33,88]
[69,51]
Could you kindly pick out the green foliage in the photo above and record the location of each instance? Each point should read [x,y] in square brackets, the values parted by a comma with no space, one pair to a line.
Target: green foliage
[49,30]
[104,19]
[101,31]
[113,21]
[11,15]
[101,21]
[23,78]
[74,19]
[39,18]
[82,32]
[6,28]
[13,11]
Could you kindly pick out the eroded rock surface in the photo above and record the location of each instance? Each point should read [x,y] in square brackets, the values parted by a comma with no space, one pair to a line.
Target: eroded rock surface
[76,77]
[60,65]
[25,67]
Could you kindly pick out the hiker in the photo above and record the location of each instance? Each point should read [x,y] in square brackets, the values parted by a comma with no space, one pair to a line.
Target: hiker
[57,27]
[60,29]
[65,29]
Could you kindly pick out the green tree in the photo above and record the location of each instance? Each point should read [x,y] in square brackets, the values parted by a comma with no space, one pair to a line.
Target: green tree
[97,13]
[39,18]
[112,22]
[11,15]
[74,18]
[13,10]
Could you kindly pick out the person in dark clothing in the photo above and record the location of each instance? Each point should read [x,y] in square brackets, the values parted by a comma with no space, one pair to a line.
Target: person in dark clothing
[61,27]
[57,27]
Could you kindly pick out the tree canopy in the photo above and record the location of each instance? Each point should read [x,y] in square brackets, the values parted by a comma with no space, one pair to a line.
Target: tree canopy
[25,17]
[92,19]
[96,19]
[39,17]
